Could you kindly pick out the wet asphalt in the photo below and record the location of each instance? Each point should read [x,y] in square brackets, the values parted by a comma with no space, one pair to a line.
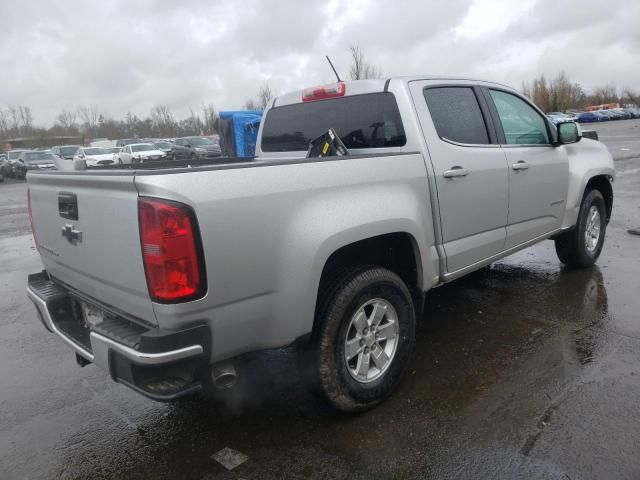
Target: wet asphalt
[521,370]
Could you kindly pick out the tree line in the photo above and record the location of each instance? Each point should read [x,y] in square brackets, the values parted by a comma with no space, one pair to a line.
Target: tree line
[560,94]
[90,122]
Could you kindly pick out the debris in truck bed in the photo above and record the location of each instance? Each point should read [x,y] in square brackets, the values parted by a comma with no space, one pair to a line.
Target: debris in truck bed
[229,458]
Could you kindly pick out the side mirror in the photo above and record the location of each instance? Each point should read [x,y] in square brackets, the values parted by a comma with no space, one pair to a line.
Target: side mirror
[568,132]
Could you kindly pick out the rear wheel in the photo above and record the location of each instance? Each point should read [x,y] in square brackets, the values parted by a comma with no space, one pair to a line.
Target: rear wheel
[365,337]
[581,247]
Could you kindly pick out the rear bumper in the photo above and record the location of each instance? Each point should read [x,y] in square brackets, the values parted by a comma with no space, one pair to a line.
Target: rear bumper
[160,364]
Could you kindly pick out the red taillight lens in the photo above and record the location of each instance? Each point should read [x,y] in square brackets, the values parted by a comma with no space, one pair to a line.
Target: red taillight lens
[324,91]
[33,229]
[171,251]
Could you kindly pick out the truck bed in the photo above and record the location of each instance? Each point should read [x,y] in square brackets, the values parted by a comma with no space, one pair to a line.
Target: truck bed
[266,234]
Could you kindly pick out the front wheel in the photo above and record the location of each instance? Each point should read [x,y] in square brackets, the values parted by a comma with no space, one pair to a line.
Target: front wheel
[365,337]
[581,247]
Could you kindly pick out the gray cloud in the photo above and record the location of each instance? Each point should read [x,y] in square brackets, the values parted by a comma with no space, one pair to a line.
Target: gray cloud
[130,55]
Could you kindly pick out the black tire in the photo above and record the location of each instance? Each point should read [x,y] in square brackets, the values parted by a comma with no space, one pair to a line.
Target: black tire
[337,305]
[571,246]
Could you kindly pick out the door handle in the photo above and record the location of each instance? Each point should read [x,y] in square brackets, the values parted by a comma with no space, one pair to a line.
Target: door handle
[456,171]
[521,165]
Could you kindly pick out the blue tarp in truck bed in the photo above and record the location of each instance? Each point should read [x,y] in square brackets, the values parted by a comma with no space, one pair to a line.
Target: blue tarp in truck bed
[239,132]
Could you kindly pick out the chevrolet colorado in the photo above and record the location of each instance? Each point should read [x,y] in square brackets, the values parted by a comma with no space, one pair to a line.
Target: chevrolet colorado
[163,273]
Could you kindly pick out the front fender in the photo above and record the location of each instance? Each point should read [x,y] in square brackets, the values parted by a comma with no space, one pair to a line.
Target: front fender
[587,159]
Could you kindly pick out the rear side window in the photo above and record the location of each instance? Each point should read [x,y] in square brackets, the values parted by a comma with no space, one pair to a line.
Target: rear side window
[456,114]
[361,121]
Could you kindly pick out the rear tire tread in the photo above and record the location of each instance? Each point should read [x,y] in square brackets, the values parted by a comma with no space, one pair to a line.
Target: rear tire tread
[333,305]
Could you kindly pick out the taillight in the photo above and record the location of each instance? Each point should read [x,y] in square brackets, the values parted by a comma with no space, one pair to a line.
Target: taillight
[33,229]
[171,250]
[323,92]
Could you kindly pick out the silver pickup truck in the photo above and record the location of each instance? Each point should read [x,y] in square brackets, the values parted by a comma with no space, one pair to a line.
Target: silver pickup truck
[163,274]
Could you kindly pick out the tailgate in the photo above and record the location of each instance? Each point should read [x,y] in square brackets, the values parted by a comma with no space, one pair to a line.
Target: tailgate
[97,253]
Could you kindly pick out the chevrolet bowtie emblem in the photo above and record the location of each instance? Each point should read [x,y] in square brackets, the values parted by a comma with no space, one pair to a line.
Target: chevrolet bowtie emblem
[72,235]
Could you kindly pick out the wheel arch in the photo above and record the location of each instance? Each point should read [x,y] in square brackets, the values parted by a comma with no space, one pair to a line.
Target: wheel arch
[602,183]
[397,251]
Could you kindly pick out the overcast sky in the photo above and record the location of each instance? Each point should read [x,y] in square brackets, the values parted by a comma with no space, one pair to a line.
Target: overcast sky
[128,55]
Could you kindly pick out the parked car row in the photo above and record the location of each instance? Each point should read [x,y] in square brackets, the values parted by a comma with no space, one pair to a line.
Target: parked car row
[596,115]
[15,163]
[127,150]
[606,115]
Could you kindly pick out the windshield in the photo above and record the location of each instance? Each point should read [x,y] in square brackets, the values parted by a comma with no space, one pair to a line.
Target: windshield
[142,147]
[112,149]
[199,141]
[163,144]
[38,157]
[70,150]
[14,155]
[95,151]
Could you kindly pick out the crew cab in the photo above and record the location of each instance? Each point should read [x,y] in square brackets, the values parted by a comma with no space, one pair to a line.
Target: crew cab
[163,274]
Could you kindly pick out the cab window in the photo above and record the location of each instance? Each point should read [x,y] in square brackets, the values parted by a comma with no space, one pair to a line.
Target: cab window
[370,120]
[456,115]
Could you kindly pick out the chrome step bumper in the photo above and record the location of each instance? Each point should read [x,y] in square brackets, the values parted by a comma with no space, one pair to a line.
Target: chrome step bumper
[129,352]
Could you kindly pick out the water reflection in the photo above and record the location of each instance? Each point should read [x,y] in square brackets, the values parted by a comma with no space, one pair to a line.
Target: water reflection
[475,333]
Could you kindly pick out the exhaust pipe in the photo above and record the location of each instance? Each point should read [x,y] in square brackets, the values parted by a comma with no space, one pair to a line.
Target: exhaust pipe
[224,375]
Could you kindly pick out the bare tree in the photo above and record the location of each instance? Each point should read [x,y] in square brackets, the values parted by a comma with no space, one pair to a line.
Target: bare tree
[162,120]
[606,94]
[196,123]
[67,120]
[17,120]
[210,116]
[14,118]
[557,94]
[4,123]
[361,69]
[89,115]
[265,95]
[632,96]
[26,119]
[250,104]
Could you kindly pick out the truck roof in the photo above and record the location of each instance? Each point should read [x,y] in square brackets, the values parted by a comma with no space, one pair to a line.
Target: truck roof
[359,87]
